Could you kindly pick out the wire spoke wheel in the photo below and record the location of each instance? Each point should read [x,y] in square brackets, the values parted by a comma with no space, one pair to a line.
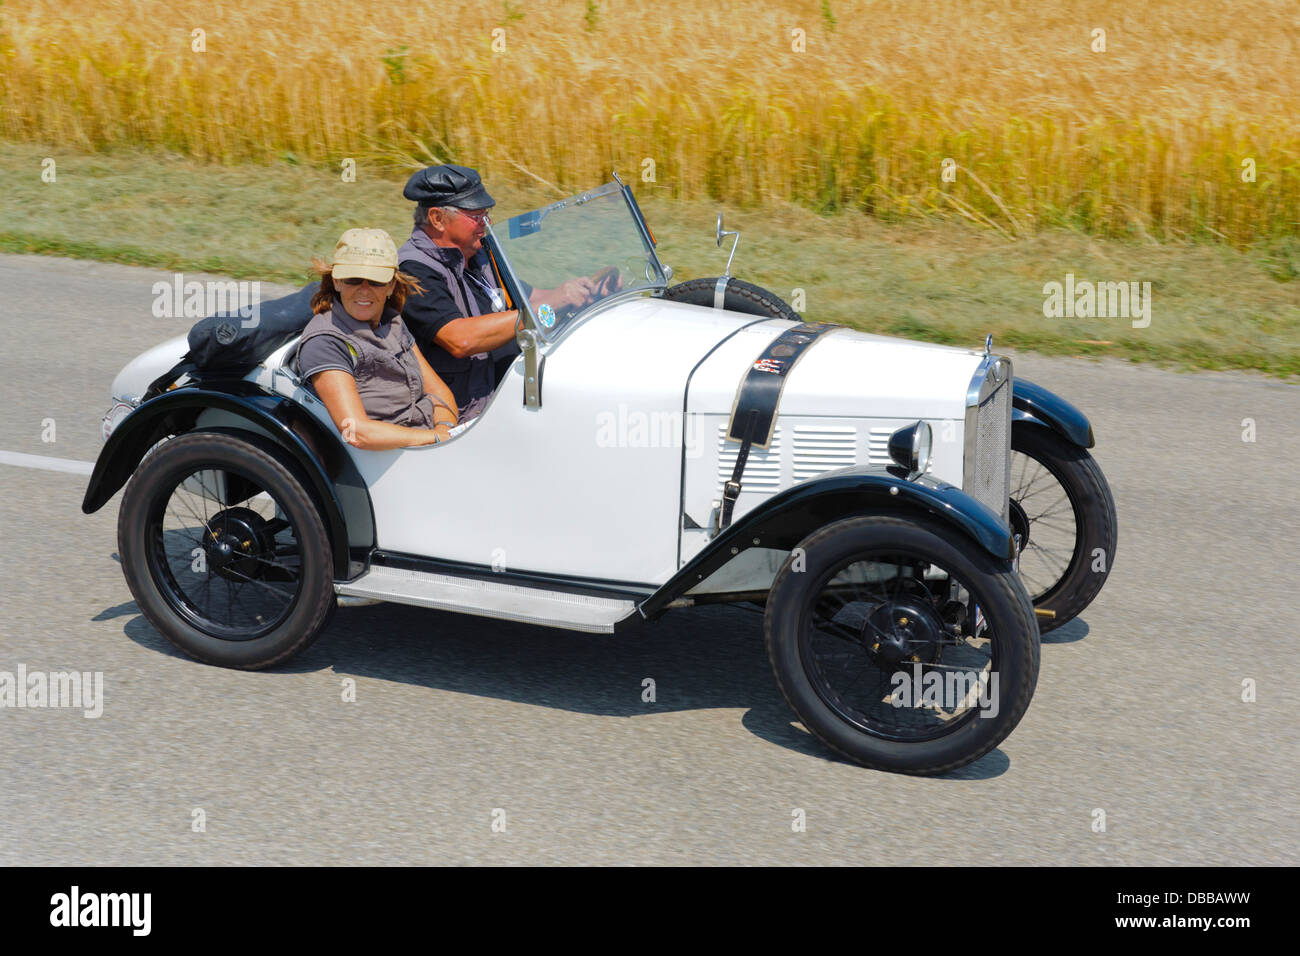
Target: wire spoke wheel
[1051,541]
[225,550]
[1063,511]
[881,655]
[901,644]
[223,555]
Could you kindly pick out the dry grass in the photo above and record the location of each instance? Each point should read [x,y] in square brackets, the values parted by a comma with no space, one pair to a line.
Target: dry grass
[1214,306]
[1145,139]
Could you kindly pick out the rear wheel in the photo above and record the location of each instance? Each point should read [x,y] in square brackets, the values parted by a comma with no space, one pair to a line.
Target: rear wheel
[900,645]
[225,551]
[740,296]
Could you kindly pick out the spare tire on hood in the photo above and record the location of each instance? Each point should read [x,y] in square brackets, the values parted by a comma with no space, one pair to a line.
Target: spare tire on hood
[739,296]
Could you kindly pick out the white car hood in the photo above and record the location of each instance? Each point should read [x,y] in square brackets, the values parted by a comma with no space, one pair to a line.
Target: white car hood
[843,374]
[652,347]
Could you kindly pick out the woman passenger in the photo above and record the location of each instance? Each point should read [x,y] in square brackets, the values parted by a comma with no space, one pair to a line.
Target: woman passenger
[359,357]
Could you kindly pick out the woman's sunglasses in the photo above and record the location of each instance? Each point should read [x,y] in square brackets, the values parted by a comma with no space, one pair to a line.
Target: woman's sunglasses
[356,280]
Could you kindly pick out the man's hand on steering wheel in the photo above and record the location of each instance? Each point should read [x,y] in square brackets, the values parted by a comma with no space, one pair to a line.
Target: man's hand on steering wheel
[608,281]
[575,293]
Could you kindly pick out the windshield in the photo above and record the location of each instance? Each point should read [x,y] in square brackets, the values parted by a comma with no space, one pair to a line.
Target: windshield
[576,253]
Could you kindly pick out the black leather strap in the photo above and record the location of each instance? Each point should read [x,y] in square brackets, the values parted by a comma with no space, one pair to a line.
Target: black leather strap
[731,490]
[753,416]
[161,383]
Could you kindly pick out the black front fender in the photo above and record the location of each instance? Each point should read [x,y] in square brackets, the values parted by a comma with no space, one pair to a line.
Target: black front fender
[316,450]
[1033,403]
[785,519]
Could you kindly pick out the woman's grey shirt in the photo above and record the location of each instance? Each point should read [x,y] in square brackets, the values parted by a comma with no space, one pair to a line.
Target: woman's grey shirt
[382,360]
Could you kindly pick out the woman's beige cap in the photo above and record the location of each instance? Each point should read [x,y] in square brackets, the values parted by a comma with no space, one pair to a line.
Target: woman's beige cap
[365,254]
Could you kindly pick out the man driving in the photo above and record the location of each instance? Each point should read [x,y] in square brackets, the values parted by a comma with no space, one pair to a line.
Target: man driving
[461,320]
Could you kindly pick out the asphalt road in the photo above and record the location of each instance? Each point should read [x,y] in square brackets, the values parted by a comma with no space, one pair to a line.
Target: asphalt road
[1138,712]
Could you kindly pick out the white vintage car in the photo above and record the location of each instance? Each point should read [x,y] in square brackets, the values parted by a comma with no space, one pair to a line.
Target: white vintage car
[662,447]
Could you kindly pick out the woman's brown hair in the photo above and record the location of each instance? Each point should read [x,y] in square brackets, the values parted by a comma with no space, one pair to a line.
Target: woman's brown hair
[325,297]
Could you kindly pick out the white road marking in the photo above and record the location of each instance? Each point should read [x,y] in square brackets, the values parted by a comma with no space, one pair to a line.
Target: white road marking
[69,465]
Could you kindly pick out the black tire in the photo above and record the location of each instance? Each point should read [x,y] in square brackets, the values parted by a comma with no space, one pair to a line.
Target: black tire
[225,551]
[740,297]
[1067,557]
[819,613]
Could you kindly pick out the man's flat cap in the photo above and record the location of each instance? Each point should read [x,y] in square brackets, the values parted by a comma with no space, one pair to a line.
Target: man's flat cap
[448,185]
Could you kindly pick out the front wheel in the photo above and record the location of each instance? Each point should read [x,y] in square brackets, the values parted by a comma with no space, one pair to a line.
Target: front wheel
[1062,508]
[901,645]
[225,552]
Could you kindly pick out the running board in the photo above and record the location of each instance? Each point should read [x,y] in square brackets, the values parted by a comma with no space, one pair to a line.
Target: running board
[507,602]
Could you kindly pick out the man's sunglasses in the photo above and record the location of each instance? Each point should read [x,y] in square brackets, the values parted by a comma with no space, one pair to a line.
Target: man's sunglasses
[478,215]
[357,280]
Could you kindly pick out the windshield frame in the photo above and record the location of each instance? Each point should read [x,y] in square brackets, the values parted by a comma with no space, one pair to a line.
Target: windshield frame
[511,278]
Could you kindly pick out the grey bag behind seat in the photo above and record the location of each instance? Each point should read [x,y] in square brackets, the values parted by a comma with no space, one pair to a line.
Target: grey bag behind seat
[220,344]
[222,347]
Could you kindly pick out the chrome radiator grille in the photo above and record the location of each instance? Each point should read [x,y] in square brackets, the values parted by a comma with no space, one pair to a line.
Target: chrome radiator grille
[987,468]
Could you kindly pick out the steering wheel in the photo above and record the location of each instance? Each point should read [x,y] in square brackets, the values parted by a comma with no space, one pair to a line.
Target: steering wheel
[608,281]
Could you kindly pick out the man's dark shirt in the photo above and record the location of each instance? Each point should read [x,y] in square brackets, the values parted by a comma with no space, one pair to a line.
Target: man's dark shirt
[426,314]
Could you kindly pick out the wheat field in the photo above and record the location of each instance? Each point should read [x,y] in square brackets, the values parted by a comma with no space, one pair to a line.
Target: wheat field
[1183,126]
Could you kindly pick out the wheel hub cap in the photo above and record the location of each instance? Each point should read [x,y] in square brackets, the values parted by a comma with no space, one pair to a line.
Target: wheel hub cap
[234,538]
[903,631]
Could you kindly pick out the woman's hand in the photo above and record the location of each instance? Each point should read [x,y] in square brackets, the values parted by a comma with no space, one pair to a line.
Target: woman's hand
[338,390]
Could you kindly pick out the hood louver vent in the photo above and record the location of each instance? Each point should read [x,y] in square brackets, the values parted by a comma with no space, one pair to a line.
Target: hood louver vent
[819,449]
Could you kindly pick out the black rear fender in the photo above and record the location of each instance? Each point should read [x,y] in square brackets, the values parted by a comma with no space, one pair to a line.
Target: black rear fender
[309,448]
